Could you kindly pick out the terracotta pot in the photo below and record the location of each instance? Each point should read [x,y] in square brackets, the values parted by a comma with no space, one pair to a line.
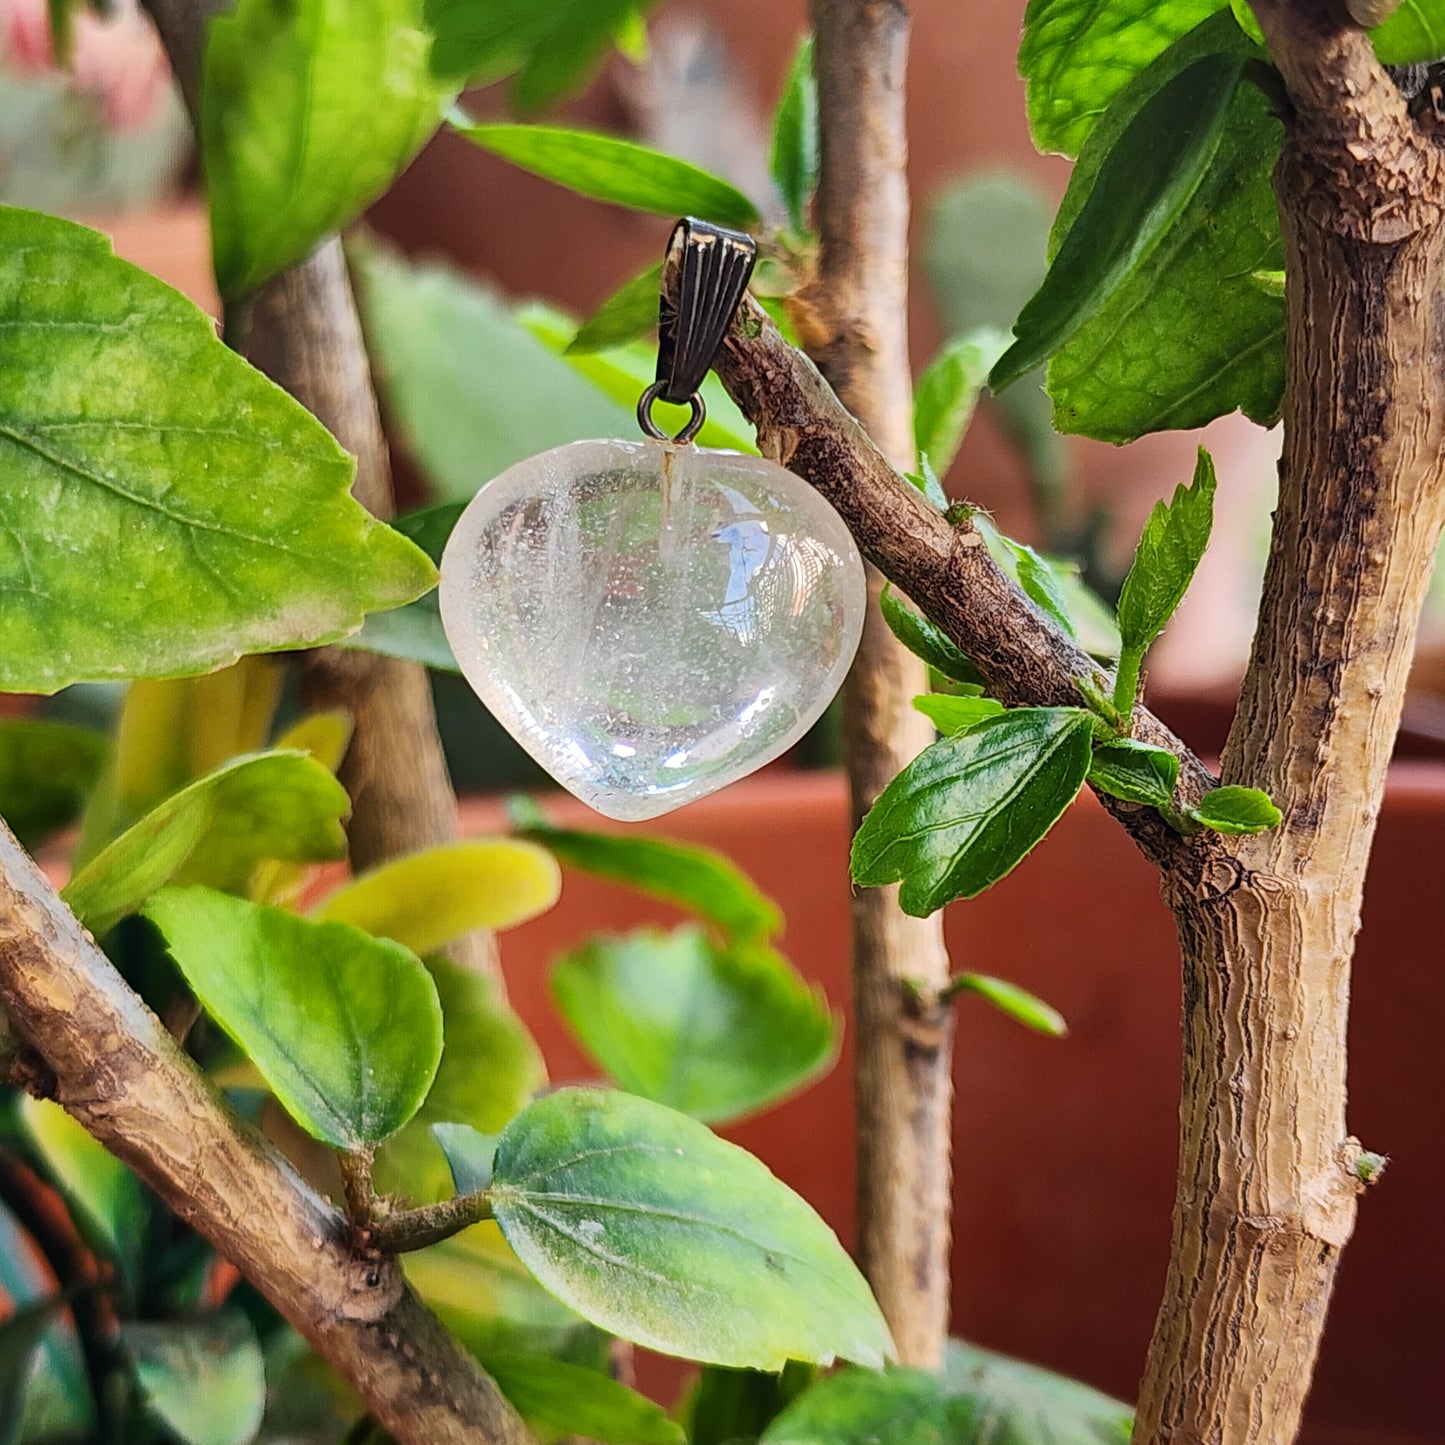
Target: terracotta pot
[1065,1150]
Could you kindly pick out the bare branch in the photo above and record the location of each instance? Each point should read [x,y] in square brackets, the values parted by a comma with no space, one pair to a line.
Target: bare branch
[121,1075]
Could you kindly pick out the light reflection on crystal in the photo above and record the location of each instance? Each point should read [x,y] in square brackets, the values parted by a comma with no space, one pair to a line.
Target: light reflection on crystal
[651,622]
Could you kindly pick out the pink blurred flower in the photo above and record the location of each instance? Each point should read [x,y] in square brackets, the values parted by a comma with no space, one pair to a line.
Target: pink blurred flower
[119,62]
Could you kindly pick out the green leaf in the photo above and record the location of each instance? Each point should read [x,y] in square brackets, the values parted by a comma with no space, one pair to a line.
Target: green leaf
[793,152]
[979,1398]
[952,715]
[47,770]
[1414,33]
[1236,810]
[715,1032]
[309,111]
[277,805]
[1048,584]
[653,1228]
[153,529]
[556,1398]
[925,639]
[490,1068]
[105,1199]
[855,1407]
[470,1155]
[698,879]
[552,47]
[947,391]
[1142,190]
[205,1378]
[20,1338]
[966,810]
[734,1407]
[488,1299]
[625,372]
[1021,1404]
[926,480]
[1173,542]
[619,172]
[1077,54]
[1134,771]
[630,312]
[345,1028]
[427,899]
[1188,334]
[467,389]
[1017,1003]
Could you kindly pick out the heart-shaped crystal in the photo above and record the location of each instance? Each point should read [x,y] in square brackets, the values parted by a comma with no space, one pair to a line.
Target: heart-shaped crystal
[651,622]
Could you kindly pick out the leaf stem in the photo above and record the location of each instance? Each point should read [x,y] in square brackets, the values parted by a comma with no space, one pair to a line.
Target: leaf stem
[361,1201]
[1126,683]
[410,1229]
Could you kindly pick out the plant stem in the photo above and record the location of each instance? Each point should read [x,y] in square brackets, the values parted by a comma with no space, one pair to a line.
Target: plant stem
[416,1228]
[1126,683]
[902,1049]
[1268,1173]
[121,1076]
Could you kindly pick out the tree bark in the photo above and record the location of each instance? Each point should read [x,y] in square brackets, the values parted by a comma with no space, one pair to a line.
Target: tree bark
[120,1074]
[1268,1173]
[902,1040]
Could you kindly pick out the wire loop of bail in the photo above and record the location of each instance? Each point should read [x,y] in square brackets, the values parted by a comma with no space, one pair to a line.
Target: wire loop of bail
[715,265]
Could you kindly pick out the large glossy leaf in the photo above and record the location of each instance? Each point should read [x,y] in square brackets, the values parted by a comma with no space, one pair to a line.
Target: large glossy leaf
[1077,54]
[104,1197]
[713,1031]
[698,879]
[556,1398]
[468,390]
[309,109]
[620,172]
[978,1399]
[345,1028]
[270,805]
[205,1378]
[1195,329]
[153,529]
[427,899]
[655,1229]
[47,770]
[1414,33]
[967,810]
[490,1068]
[550,46]
[1165,560]
[793,150]
[1141,191]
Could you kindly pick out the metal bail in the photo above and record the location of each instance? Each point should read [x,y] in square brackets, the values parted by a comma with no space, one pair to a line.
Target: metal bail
[716,266]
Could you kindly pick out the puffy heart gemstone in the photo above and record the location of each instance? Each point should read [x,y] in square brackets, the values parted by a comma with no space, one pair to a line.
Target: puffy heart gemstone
[651,622]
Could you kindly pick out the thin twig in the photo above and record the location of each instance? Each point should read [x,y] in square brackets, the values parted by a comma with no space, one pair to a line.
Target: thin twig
[409,1229]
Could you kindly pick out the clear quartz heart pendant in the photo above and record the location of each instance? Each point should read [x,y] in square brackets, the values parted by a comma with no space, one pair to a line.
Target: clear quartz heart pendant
[653,620]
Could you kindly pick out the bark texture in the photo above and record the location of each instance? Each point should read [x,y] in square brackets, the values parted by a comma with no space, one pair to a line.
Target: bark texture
[1268,1181]
[858,334]
[120,1074]
[304,333]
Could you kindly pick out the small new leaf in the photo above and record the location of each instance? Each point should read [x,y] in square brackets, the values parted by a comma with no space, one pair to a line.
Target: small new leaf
[793,154]
[947,392]
[1236,810]
[620,172]
[926,639]
[952,715]
[1135,772]
[630,312]
[1174,540]
[1017,1003]
[966,811]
